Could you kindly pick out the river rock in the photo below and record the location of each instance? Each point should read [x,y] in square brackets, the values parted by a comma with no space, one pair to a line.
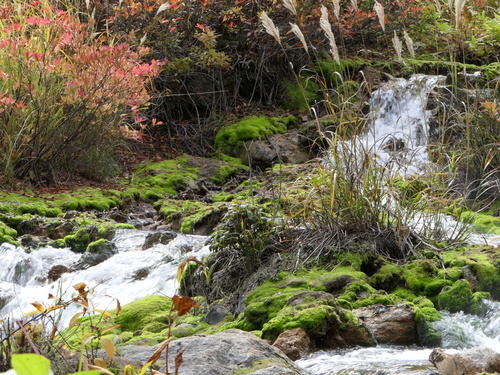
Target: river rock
[390,324]
[282,148]
[295,343]
[480,359]
[231,350]
[98,254]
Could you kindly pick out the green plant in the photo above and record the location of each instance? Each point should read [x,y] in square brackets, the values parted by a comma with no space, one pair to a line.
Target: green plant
[34,364]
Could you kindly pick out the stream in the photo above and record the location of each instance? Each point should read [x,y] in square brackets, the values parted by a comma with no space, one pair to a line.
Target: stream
[398,116]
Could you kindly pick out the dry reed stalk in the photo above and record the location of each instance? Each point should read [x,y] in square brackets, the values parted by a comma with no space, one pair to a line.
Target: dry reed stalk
[291,5]
[271,29]
[398,46]
[336,8]
[298,33]
[409,44]
[327,28]
[459,7]
[379,9]
[439,10]
[354,4]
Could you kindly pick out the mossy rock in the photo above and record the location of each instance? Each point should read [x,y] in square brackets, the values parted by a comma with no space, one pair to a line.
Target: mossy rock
[148,310]
[230,138]
[458,297]
[299,96]
[315,320]
[7,234]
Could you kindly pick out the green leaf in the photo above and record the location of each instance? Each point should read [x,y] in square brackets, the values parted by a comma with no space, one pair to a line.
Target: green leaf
[30,364]
[91,372]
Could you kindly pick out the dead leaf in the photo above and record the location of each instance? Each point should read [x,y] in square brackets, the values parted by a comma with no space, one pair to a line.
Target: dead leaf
[109,348]
[182,304]
[157,353]
[178,360]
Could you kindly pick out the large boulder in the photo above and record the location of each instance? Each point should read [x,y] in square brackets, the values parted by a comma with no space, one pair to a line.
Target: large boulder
[226,352]
[477,360]
[390,324]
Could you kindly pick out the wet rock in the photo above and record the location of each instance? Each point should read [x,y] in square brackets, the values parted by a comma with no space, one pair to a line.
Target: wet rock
[56,271]
[95,255]
[216,314]
[338,283]
[231,350]
[477,360]
[155,238]
[390,324]
[278,148]
[295,343]
[62,230]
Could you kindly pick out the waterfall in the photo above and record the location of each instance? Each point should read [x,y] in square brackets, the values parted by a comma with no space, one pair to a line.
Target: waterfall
[398,127]
[131,274]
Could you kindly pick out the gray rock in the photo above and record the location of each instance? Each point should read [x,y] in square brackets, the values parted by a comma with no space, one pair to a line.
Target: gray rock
[98,255]
[222,354]
[480,359]
[230,350]
[216,314]
[278,148]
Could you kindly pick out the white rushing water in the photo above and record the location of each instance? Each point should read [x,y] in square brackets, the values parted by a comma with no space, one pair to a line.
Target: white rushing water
[459,332]
[131,274]
[398,128]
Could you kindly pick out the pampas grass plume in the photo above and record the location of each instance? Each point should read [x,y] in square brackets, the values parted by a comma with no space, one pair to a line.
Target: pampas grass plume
[271,29]
[379,9]
[398,46]
[298,33]
[409,44]
[327,28]
[291,5]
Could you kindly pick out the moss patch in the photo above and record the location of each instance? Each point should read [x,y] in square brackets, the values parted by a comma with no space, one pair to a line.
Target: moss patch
[231,137]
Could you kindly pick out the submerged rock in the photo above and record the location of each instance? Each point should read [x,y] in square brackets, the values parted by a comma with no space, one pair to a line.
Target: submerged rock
[480,359]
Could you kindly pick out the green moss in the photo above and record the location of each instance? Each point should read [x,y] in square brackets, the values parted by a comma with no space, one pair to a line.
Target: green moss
[93,246]
[419,274]
[375,299]
[136,315]
[312,320]
[7,234]
[231,137]
[476,304]
[457,297]
[389,277]
[262,365]
[332,71]
[299,96]
[435,287]
[225,172]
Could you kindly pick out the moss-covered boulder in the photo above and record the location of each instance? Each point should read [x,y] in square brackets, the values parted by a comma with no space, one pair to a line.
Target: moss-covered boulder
[230,138]
[145,312]
[456,297]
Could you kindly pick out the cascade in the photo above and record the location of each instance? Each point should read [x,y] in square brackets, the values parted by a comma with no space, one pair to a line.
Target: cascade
[398,123]
[131,274]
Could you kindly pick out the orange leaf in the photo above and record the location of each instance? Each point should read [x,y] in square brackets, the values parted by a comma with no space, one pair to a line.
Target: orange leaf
[182,304]
[80,287]
[39,306]
[55,307]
